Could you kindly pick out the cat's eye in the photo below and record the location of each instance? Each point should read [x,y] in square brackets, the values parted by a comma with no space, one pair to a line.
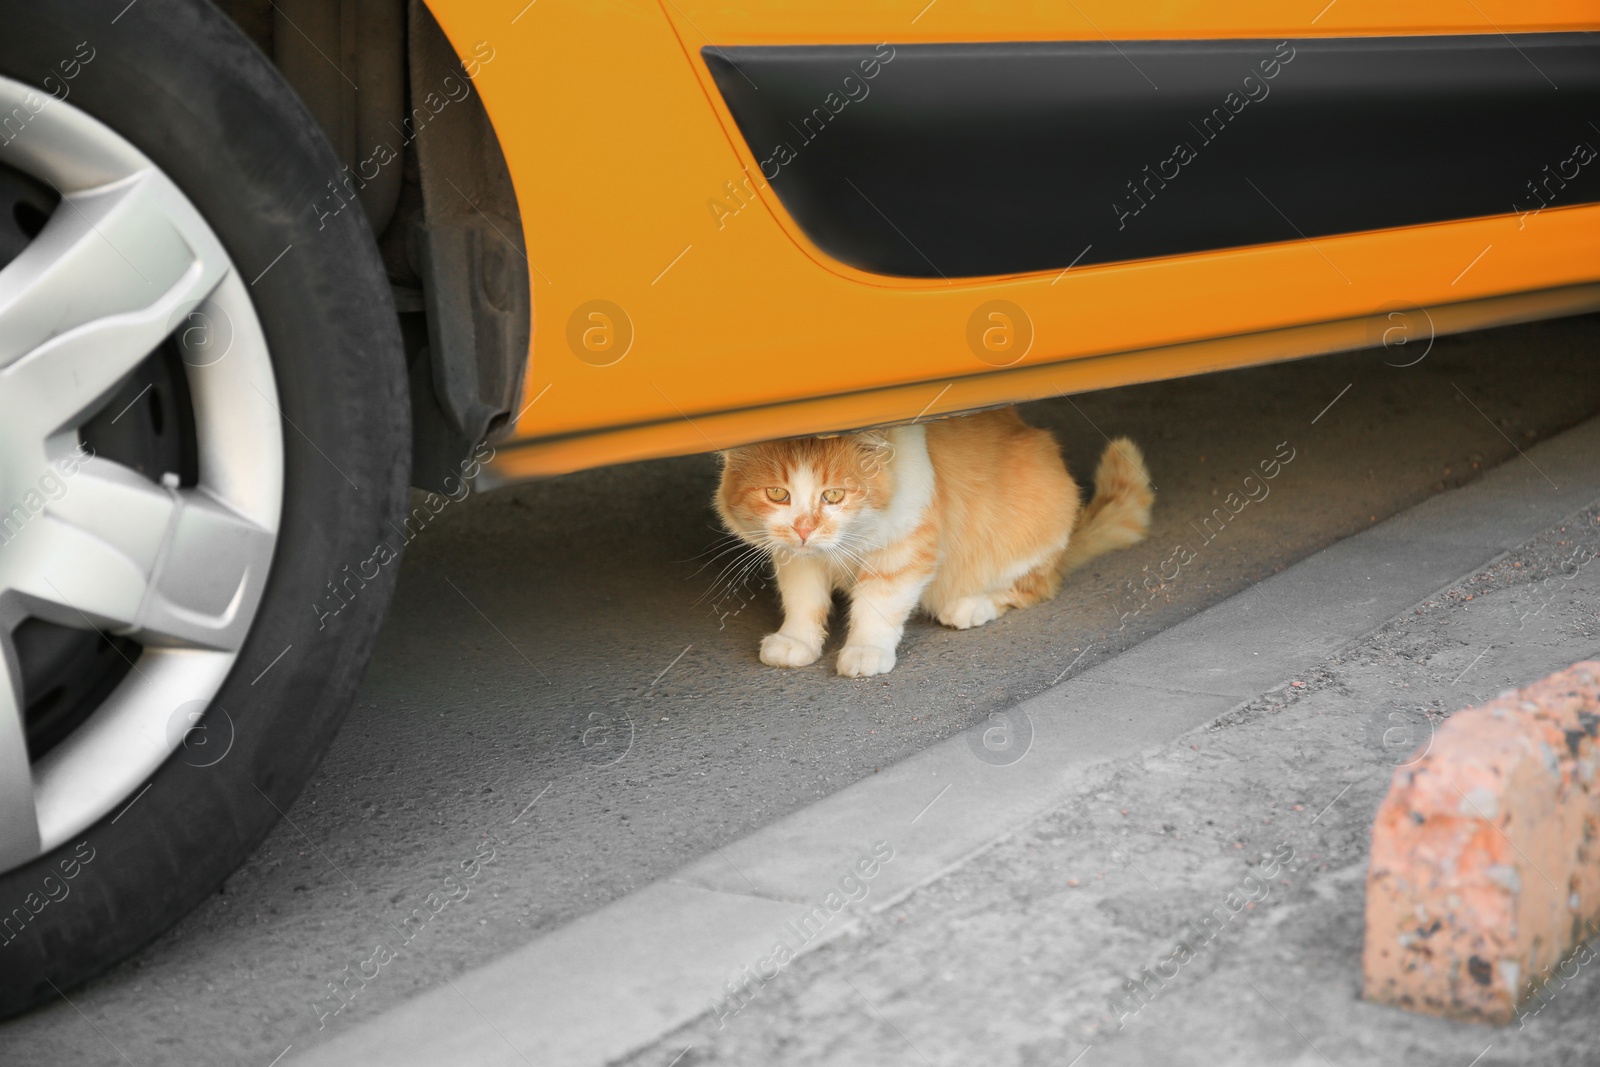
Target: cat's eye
[833,496]
[777,496]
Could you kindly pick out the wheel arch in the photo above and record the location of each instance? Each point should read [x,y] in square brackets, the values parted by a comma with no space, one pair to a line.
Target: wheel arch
[421,156]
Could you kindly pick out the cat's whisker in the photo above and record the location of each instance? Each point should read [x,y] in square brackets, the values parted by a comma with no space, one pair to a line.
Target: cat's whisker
[862,566]
[738,587]
[698,570]
[724,541]
[733,573]
[846,546]
[751,556]
[750,569]
[738,570]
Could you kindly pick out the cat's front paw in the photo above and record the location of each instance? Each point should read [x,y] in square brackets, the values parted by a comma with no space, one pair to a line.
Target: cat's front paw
[864,661]
[781,650]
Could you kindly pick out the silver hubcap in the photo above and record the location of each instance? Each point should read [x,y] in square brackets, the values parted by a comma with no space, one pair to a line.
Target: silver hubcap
[124,263]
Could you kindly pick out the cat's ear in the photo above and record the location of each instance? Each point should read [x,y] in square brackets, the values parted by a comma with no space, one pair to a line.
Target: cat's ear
[873,440]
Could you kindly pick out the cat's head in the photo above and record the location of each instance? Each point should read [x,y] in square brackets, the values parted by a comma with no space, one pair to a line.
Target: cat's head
[803,495]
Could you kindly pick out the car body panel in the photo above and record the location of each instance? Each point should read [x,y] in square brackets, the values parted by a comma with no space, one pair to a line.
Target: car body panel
[1015,157]
[647,223]
[841,21]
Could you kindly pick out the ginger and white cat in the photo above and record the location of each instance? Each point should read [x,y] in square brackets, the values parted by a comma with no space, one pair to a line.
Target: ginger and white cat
[964,518]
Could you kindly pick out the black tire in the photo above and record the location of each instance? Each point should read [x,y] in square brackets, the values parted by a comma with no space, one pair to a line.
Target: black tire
[182,84]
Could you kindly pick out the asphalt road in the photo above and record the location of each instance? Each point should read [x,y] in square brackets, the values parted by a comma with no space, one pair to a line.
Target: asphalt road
[562,682]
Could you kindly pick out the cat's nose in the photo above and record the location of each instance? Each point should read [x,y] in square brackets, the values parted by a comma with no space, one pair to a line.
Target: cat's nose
[805,527]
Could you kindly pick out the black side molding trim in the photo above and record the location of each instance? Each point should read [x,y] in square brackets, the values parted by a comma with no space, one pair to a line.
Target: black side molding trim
[966,160]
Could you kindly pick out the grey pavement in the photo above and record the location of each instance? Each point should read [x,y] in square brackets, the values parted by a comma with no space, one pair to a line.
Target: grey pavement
[560,682]
[1060,943]
[644,969]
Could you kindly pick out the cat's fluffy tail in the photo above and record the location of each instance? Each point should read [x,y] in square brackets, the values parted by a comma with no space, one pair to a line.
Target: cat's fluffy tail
[1119,513]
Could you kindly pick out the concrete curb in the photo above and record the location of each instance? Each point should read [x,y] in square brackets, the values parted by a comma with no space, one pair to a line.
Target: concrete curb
[711,934]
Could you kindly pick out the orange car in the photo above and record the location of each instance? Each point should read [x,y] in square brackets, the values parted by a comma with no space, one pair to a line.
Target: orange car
[265,264]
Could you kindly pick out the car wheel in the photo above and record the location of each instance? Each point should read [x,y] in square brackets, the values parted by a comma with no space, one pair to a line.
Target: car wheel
[204,436]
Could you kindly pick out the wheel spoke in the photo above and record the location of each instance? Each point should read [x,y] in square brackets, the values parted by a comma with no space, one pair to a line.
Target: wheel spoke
[164,566]
[209,579]
[19,821]
[109,277]
[124,266]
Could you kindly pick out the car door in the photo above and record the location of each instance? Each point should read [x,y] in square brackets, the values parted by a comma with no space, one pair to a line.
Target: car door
[771,218]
